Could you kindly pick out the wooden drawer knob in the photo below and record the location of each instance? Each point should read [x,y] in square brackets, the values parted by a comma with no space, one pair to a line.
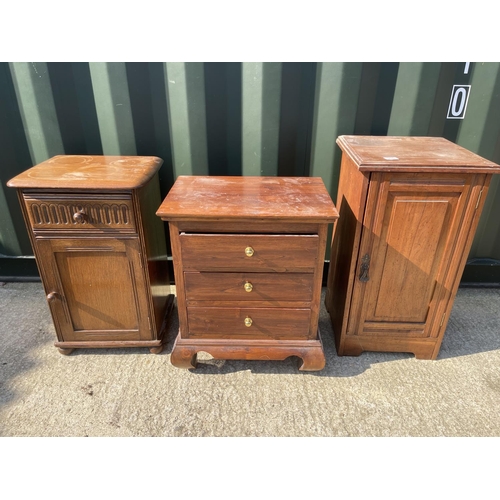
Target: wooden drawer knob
[248,287]
[80,216]
[249,251]
[248,321]
[52,296]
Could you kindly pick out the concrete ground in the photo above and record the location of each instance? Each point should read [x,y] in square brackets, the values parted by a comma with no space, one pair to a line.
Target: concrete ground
[130,392]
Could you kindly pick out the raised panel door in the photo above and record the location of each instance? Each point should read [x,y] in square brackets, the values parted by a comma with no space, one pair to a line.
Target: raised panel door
[408,247]
[96,288]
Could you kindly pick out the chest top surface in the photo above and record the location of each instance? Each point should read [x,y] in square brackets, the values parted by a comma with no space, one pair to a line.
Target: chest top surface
[89,172]
[268,198]
[411,154]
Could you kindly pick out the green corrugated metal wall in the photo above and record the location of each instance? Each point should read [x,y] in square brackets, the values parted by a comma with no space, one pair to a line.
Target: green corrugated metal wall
[236,119]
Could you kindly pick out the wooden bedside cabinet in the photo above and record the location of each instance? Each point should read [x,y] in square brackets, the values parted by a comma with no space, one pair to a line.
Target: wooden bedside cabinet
[99,248]
[409,208]
[248,258]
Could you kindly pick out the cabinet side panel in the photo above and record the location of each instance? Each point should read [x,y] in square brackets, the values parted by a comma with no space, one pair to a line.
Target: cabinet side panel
[351,199]
[479,188]
[156,249]
[179,278]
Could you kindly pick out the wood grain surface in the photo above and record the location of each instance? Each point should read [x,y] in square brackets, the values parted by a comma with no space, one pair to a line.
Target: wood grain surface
[407,154]
[296,199]
[84,172]
[409,209]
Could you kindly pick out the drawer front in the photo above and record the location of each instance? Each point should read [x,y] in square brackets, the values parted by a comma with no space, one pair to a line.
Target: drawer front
[263,323]
[248,286]
[238,252]
[51,212]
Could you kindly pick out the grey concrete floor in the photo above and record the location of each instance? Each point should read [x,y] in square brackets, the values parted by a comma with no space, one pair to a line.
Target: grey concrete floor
[130,392]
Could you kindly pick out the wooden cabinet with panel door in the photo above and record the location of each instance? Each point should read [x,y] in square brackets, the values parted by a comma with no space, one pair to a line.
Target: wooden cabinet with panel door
[100,249]
[409,208]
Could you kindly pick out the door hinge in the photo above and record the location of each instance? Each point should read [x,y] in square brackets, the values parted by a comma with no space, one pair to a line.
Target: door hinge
[442,320]
[479,197]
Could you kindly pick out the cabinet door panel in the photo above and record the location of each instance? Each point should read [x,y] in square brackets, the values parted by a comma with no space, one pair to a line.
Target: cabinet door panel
[100,288]
[409,238]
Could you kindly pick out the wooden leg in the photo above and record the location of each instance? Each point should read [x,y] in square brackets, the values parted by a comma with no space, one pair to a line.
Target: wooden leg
[313,360]
[65,352]
[183,357]
[156,350]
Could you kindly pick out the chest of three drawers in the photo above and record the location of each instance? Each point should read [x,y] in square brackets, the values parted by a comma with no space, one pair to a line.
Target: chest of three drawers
[248,261]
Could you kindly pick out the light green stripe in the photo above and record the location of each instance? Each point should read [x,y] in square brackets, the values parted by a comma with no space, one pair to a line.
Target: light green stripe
[336,101]
[38,113]
[261,102]
[479,132]
[187,117]
[114,113]
[414,96]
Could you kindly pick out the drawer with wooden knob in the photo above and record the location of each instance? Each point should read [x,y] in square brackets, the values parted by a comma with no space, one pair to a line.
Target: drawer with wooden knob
[248,287]
[100,250]
[255,323]
[80,212]
[253,252]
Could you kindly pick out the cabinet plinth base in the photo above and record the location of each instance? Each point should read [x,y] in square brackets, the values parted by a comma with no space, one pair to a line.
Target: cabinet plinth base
[311,352]
[422,349]
[155,346]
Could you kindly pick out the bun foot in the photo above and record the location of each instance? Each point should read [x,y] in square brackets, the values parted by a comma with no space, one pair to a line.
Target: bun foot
[65,352]
[156,350]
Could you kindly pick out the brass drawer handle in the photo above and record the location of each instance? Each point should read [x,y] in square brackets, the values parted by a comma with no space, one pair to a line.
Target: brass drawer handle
[249,251]
[80,216]
[248,286]
[248,321]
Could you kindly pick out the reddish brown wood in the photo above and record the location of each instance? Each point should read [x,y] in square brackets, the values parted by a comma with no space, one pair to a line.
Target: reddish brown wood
[185,351]
[406,154]
[410,220]
[276,253]
[292,199]
[208,286]
[351,197]
[264,323]
[249,227]
[90,221]
[213,222]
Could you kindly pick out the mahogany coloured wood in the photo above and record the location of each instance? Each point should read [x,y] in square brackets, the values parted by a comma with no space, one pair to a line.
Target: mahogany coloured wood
[248,287]
[248,257]
[409,208]
[272,253]
[100,249]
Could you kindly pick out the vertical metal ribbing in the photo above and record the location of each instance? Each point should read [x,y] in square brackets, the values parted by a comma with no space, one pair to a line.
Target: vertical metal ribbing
[261,96]
[38,113]
[185,89]
[336,101]
[414,97]
[480,132]
[114,114]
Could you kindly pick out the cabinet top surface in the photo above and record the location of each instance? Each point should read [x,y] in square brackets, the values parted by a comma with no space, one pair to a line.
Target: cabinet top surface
[426,154]
[89,172]
[272,198]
